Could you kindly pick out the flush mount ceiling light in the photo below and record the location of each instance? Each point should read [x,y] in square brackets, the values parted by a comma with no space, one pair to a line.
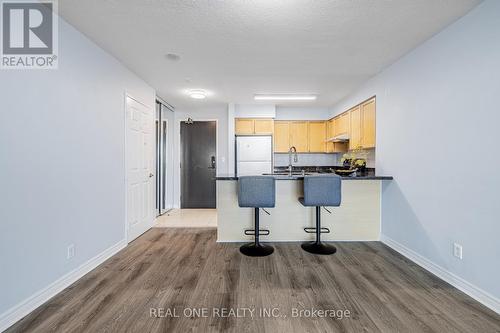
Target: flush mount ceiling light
[197,94]
[285,97]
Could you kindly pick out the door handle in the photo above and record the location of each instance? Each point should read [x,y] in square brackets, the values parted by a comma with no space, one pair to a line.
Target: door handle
[212,163]
[151,175]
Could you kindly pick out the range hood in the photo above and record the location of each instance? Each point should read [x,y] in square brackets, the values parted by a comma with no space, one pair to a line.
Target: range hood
[339,138]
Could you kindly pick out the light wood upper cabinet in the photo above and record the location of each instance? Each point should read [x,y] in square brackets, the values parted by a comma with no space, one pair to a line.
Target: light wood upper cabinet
[299,133]
[306,136]
[329,134]
[362,125]
[281,136]
[341,124]
[334,147]
[263,126]
[355,123]
[330,130]
[244,126]
[317,136]
[368,124]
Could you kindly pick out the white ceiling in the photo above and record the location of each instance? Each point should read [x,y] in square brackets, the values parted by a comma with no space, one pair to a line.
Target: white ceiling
[236,48]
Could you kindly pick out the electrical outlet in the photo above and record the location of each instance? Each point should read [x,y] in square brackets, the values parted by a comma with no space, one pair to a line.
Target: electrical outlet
[457,250]
[71,251]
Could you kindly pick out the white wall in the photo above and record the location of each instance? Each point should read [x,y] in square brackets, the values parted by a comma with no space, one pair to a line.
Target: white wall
[211,113]
[254,111]
[433,105]
[62,170]
[302,113]
[231,142]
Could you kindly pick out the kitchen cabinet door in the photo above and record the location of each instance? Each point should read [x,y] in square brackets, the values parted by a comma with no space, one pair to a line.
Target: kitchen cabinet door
[342,124]
[281,136]
[299,136]
[355,133]
[244,126]
[329,129]
[329,134]
[317,137]
[263,126]
[368,124]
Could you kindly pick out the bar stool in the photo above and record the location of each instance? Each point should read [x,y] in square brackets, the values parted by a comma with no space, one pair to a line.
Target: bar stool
[320,190]
[256,192]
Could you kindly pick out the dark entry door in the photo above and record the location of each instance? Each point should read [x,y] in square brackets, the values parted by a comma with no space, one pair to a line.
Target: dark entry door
[198,164]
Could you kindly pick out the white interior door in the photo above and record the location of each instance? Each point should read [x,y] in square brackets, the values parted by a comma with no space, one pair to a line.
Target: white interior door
[139,167]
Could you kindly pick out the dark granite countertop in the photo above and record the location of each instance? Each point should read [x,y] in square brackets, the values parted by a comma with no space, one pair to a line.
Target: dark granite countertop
[367,175]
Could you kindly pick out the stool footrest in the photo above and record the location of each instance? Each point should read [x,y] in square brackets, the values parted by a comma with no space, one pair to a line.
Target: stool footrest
[313,230]
[251,232]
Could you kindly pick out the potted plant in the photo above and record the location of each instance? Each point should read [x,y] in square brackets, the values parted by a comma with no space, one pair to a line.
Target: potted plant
[346,160]
[360,164]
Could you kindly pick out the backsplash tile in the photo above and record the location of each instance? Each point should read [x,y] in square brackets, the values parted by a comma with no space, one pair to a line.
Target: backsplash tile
[281,159]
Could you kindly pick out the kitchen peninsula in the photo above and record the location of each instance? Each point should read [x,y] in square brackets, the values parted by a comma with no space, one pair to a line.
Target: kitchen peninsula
[357,218]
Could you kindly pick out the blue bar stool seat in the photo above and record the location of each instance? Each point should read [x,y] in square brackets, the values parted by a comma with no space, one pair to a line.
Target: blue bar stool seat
[320,190]
[256,192]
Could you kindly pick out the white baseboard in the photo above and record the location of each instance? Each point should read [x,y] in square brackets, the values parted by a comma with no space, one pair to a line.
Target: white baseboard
[478,294]
[11,316]
[297,241]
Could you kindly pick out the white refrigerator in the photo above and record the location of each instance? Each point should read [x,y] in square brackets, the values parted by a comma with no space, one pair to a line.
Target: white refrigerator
[254,155]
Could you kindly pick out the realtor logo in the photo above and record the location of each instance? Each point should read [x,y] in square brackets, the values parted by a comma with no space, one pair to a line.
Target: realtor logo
[29,34]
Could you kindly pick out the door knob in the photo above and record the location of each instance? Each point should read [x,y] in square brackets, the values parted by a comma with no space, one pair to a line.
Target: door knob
[150,175]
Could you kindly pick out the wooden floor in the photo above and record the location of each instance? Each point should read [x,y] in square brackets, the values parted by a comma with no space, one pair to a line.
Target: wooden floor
[185,269]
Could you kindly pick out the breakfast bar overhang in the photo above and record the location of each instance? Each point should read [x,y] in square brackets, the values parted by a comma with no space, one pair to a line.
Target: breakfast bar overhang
[357,219]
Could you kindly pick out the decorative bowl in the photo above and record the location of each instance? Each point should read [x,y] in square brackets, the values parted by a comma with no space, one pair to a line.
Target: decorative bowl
[345,172]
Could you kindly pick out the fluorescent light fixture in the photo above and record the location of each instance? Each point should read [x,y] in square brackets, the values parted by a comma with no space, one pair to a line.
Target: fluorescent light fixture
[284,97]
[197,94]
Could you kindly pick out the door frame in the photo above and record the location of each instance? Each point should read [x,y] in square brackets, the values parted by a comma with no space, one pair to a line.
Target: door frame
[165,176]
[126,95]
[170,180]
[179,153]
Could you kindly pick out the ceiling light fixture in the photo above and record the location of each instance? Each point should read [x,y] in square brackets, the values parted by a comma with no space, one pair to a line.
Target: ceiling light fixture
[285,97]
[197,94]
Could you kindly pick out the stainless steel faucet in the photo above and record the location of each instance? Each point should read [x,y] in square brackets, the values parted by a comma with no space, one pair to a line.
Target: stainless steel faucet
[295,159]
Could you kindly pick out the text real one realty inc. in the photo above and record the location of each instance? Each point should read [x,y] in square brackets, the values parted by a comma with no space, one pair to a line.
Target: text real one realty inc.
[246,312]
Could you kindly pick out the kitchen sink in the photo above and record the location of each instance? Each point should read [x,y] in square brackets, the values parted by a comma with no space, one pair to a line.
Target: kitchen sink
[286,174]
